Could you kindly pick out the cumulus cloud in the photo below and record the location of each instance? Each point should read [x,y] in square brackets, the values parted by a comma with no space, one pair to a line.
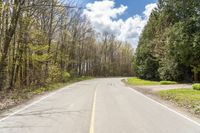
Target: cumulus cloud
[104,17]
[148,9]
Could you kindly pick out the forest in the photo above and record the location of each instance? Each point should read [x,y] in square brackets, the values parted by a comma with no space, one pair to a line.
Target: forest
[169,47]
[48,41]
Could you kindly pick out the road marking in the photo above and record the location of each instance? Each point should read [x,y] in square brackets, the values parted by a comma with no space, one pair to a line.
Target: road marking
[36,102]
[93,112]
[164,106]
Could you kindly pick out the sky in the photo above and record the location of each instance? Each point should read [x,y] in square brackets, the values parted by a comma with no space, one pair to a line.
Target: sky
[123,18]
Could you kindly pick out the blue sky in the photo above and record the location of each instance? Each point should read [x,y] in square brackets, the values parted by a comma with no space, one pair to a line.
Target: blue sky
[123,18]
[134,6]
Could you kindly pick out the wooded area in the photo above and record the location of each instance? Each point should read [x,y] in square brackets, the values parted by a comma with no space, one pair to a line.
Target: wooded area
[45,41]
[169,47]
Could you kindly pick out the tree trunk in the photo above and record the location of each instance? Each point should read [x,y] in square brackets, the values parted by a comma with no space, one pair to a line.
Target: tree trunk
[6,44]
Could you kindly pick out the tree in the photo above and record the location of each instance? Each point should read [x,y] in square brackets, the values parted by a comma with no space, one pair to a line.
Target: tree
[43,42]
[171,39]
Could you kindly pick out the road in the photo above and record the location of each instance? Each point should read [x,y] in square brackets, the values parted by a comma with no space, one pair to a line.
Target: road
[103,105]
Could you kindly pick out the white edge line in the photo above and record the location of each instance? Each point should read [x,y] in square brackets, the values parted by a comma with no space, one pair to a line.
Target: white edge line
[38,101]
[93,108]
[93,113]
[164,106]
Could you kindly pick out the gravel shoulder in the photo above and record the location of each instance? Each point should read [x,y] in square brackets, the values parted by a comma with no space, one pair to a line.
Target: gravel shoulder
[165,87]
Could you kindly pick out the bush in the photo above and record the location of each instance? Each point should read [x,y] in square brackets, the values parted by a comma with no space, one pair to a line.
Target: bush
[66,76]
[54,74]
[167,82]
[40,90]
[196,86]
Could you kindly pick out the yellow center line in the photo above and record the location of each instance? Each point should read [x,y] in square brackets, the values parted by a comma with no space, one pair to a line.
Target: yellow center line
[93,112]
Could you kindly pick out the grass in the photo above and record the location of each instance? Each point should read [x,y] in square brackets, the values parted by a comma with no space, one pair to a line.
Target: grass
[137,81]
[187,98]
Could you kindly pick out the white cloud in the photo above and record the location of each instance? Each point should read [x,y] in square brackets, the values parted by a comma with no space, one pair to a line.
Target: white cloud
[148,9]
[104,17]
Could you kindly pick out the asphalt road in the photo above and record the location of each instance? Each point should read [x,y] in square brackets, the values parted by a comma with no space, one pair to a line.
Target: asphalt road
[96,106]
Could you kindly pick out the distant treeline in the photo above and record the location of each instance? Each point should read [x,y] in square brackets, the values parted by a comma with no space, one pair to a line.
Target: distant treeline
[169,47]
[45,41]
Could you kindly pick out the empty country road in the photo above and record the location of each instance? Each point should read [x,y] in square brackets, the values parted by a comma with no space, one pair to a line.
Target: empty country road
[103,105]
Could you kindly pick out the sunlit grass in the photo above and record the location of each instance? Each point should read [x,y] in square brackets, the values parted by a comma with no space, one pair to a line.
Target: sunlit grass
[187,98]
[137,81]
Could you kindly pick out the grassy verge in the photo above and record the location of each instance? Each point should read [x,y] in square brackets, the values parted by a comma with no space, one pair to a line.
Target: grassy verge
[186,98]
[137,81]
[9,99]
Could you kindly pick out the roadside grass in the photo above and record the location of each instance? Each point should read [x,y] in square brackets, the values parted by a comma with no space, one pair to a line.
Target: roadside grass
[17,96]
[187,98]
[137,81]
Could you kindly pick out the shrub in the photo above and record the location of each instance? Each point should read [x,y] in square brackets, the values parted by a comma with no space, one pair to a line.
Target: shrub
[196,86]
[167,82]
[40,90]
[54,74]
[66,76]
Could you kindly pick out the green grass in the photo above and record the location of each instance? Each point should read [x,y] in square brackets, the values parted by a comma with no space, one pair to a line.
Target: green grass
[167,82]
[187,98]
[137,81]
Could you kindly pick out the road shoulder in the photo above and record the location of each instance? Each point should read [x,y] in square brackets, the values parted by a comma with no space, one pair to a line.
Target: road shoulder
[21,103]
[150,91]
